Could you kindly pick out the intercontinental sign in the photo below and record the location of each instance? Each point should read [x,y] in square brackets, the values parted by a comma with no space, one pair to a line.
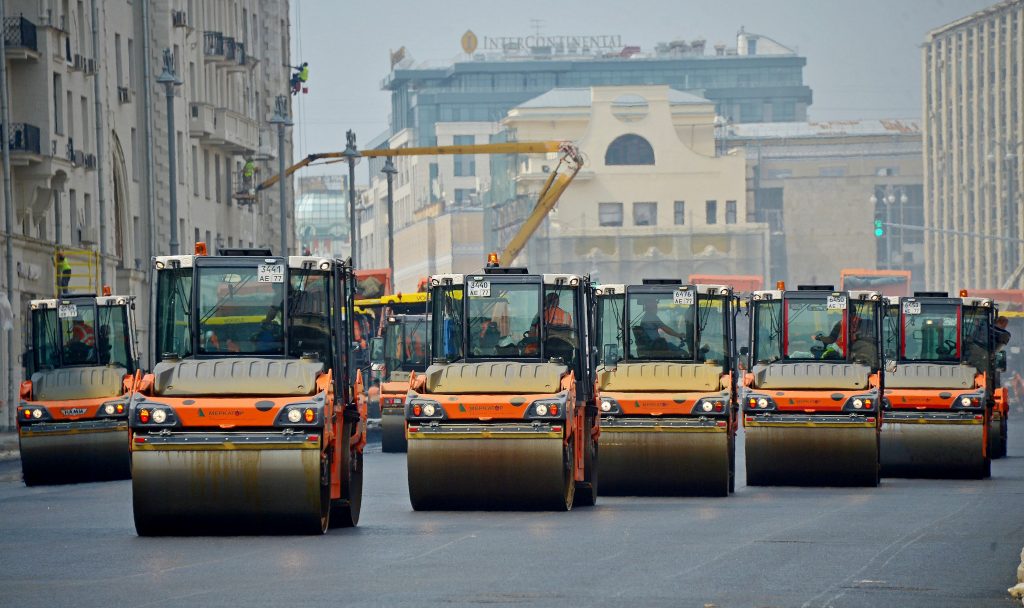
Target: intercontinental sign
[470,42]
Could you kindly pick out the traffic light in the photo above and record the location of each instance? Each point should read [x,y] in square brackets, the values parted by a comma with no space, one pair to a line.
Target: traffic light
[879,229]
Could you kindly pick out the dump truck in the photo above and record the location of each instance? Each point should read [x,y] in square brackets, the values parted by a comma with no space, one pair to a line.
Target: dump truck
[250,419]
[666,389]
[940,398]
[504,416]
[81,367]
[811,397]
[400,351]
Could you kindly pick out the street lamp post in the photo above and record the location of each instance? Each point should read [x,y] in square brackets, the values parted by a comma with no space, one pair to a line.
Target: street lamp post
[390,171]
[170,80]
[352,154]
[280,118]
[889,197]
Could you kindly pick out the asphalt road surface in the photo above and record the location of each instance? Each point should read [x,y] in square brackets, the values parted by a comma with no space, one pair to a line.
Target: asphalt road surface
[907,543]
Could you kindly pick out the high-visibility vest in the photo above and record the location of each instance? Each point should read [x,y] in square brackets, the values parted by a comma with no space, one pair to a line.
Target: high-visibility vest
[82,332]
[64,266]
[556,316]
[304,74]
[249,169]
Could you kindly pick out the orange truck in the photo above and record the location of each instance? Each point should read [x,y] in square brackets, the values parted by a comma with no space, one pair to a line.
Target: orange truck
[400,351]
[81,369]
[811,397]
[250,419]
[885,282]
[504,416]
[666,389]
[940,398]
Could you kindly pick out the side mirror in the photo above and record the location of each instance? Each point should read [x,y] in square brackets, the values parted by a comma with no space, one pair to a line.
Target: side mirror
[377,350]
[890,366]
[1001,361]
[611,356]
[744,351]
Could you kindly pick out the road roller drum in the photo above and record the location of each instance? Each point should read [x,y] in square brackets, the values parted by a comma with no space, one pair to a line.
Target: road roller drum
[490,469]
[90,452]
[933,449]
[816,454]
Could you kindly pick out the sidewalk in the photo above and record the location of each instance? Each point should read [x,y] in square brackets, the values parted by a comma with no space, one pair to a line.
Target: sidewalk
[9,446]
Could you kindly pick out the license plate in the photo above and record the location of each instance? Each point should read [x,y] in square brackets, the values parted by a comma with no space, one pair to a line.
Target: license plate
[479,289]
[683,297]
[836,302]
[270,273]
[911,308]
[67,311]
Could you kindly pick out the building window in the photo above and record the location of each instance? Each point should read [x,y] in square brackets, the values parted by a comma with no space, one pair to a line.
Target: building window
[206,174]
[730,212]
[680,213]
[118,65]
[131,64]
[645,214]
[831,171]
[887,171]
[629,149]
[58,105]
[610,214]
[195,170]
[711,210]
[463,196]
[180,153]
[197,236]
[216,176]
[135,155]
[465,164]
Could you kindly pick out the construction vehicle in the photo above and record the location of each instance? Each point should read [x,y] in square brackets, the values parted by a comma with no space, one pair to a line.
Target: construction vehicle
[940,398]
[811,396]
[885,282]
[569,164]
[504,416]
[396,354]
[666,389]
[81,369]
[1009,380]
[250,419]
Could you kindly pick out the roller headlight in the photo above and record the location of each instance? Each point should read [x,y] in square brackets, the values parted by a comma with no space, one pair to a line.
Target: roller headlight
[969,401]
[541,410]
[429,409]
[762,402]
[758,403]
[858,403]
[707,406]
[159,416]
[965,401]
[37,413]
[424,408]
[109,409]
[606,406]
[294,415]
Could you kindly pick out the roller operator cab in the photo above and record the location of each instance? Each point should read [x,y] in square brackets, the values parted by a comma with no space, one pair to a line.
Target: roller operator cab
[811,396]
[401,350]
[666,389]
[73,409]
[249,420]
[939,398]
[504,416]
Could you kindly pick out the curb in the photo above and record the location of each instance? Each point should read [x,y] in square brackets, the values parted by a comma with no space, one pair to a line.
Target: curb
[6,455]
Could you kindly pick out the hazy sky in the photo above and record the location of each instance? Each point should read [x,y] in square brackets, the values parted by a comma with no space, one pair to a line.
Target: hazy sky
[863,56]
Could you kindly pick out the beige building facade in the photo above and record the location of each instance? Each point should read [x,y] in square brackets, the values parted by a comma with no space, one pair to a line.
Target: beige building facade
[654,199]
[973,95]
[88,138]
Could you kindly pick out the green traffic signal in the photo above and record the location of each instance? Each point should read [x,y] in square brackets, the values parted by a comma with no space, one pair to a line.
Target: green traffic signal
[879,230]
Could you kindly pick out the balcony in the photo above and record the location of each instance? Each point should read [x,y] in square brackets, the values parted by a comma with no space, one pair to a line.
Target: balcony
[237,60]
[201,120]
[213,46]
[237,133]
[23,142]
[20,38]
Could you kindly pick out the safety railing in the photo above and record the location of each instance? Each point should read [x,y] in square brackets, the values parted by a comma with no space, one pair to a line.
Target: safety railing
[19,32]
[75,272]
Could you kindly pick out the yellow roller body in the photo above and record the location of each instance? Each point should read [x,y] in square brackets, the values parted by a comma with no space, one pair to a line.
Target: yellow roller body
[197,482]
[663,457]
[72,452]
[499,466]
[811,450]
[392,427]
[933,445]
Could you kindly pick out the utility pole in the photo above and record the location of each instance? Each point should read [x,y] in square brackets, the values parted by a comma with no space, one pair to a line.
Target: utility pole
[101,185]
[352,154]
[5,139]
[390,171]
[170,80]
[280,118]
